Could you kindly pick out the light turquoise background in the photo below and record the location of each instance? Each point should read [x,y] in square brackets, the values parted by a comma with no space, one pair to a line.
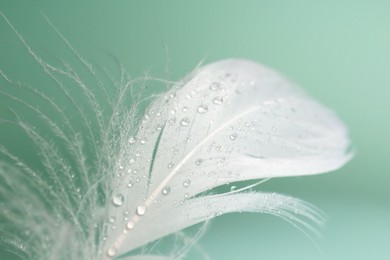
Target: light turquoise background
[338,51]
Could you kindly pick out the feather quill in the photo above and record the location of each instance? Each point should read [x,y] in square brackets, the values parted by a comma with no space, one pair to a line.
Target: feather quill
[156,173]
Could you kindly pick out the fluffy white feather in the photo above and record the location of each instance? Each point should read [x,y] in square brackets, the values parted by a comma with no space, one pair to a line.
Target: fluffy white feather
[153,174]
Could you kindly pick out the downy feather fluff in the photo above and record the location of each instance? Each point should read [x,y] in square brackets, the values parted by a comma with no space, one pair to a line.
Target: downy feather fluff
[155,172]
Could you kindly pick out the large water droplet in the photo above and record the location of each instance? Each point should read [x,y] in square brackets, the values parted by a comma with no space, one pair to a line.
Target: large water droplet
[233,136]
[186,183]
[118,200]
[202,109]
[214,86]
[166,190]
[141,210]
[185,121]
[218,100]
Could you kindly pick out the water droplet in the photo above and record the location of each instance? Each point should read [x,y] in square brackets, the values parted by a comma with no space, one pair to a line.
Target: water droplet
[202,109]
[218,100]
[199,161]
[173,111]
[172,120]
[166,190]
[185,121]
[143,141]
[186,183]
[141,210]
[233,188]
[129,185]
[172,95]
[233,136]
[218,148]
[132,160]
[158,127]
[214,86]
[170,165]
[186,195]
[132,140]
[130,225]
[112,219]
[184,109]
[111,251]
[118,200]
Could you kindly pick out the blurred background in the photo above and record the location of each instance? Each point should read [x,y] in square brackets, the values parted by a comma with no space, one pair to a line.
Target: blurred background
[338,51]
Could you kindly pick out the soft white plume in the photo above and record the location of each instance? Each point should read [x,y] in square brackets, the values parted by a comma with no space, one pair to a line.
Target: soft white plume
[133,177]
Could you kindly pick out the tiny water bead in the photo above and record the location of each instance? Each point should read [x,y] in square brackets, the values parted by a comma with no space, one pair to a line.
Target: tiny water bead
[199,161]
[118,200]
[184,109]
[233,136]
[218,100]
[141,210]
[202,109]
[166,190]
[131,140]
[214,86]
[185,121]
[112,219]
[130,225]
[186,183]
[143,141]
[170,165]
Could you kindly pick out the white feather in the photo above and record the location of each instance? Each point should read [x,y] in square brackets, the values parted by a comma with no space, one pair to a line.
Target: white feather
[227,122]
[230,121]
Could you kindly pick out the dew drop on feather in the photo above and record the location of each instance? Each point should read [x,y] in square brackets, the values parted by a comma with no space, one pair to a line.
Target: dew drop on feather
[166,190]
[186,183]
[118,200]
[132,140]
[214,86]
[199,161]
[185,121]
[130,225]
[233,136]
[218,100]
[141,210]
[202,109]
[111,251]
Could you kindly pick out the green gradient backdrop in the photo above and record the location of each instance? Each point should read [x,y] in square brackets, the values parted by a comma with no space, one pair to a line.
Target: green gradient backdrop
[339,51]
